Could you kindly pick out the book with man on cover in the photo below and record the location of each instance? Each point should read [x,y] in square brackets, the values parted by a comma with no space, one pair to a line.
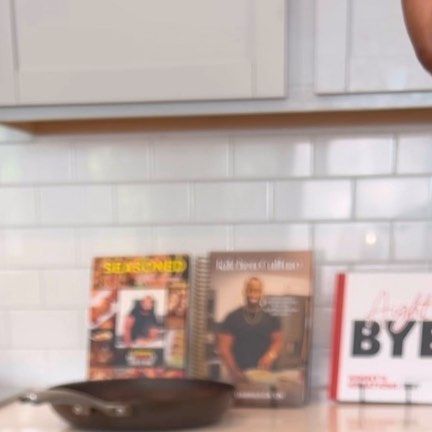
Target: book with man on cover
[258,325]
[138,317]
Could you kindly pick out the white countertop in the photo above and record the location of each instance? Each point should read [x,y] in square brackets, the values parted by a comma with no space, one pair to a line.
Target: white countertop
[318,416]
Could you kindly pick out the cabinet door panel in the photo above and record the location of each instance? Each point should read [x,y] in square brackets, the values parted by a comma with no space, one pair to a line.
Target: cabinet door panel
[331,45]
[7,82]
[362,46]
[148,50]
[382,58]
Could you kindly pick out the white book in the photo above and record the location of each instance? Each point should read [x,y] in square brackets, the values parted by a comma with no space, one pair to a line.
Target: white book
[382,338]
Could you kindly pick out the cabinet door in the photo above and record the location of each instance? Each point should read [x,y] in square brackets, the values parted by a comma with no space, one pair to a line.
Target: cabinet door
[7,82]
[89,51]
[362,46]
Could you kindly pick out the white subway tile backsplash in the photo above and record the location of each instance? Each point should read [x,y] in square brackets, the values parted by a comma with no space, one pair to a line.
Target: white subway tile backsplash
[35,163]
[313,199]
[65,366]
[414,154]
[108,161]
[325,285]
[112,241]
[413,240]
[44,329]
[264,156]
[23,368]
[65,288]
[195,192]
[18,206]
[192,239]
[354,156]
[352,242]
[19,289]
[322,322]
[320,367]
[4,330]
[393,198]
[272,237]
[76,205]
[153,203]
[190,157]
[230,201]
[37,247]
[83,328]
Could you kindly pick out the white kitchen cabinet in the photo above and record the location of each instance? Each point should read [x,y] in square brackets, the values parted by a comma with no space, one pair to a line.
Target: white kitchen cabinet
[76,59]
[109,51]
[7,81]
[362,46]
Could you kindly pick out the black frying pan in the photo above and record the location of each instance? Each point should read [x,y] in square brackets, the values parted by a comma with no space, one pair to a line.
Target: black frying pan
[138,404]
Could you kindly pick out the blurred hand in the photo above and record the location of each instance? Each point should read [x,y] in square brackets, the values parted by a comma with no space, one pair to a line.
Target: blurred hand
[238,376]
[266,361]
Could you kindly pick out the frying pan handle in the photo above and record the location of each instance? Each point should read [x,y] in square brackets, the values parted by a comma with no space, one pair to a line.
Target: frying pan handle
[81,403]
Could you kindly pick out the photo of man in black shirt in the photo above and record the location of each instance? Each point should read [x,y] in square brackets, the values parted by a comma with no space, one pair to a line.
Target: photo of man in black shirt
[141,324]
[249,337]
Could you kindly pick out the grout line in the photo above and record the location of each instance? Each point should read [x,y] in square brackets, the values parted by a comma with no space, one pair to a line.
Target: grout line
[73,164]
[46,269]
[150,158]
[7,344]
[151,162]
[319,262]
[230,156]
[115,205]
[77,245]
[37,196]
[313,159]
[354,199]
[231,238]
[395,156]
[191,197]
[212,222]
[42,291]
[223,180]
[312,240]
[270,201]
[153,237]
[391,246]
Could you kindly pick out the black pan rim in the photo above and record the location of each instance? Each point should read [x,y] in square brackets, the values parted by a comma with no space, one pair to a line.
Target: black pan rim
[198,381]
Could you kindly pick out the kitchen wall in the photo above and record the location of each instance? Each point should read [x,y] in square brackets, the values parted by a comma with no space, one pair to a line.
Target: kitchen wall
[357,193]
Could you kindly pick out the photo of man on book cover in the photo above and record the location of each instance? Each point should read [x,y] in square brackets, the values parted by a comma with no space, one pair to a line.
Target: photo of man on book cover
[256,333]
[260,325]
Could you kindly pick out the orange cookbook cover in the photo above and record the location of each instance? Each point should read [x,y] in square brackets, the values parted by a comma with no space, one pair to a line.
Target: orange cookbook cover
[138,317]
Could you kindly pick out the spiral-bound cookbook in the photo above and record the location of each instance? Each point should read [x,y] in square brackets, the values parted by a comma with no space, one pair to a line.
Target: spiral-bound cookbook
[251,324]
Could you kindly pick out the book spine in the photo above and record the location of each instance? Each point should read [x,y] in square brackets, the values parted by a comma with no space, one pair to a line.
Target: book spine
[336,339]
[198,321]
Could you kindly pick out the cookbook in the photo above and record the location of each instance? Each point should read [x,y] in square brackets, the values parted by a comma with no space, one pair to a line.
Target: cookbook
[252,324]
[382,338]
[139,317]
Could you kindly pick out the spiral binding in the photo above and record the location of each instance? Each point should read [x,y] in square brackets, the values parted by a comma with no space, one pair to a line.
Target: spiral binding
[198,321]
